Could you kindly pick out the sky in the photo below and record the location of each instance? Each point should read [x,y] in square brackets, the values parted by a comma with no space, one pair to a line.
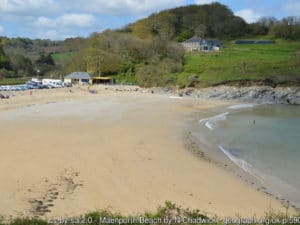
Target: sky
[60,19]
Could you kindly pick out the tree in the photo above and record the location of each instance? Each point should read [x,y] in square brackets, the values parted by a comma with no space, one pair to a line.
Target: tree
[287,28]
[4,60]
[45,60]
[45,64]
[22,65]
[210,20]
[164,25]
[234,28]
[113,52]
[267,22]
[200,30]
[262,26]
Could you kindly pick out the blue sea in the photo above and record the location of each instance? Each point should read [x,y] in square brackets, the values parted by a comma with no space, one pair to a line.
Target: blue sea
[262,140]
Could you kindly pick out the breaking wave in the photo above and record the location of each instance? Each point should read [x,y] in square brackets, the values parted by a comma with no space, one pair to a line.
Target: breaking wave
[241,106]
[177,97]
[247,167]
[211,122]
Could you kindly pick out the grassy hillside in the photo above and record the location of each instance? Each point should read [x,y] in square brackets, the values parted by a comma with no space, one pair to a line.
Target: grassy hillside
[278,62]
[124,53]
[62,58]
[147,52]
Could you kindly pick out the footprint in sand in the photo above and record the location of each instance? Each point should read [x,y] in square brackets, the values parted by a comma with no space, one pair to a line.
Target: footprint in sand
[64,187]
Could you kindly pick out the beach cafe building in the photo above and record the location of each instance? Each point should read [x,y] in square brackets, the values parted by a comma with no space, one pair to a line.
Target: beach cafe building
[78,78]
[102,80]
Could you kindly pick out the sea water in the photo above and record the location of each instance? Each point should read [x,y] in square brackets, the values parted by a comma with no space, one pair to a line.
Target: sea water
[263,140]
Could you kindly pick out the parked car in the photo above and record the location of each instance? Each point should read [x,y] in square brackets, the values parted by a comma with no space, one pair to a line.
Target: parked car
[68,84]
[30,86]
[5,88]
[42,86]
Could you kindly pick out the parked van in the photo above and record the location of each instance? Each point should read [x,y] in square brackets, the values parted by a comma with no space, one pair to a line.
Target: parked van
[36,80]
[52,83]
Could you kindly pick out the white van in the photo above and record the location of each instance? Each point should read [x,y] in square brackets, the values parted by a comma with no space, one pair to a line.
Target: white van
[52,83]
[36,80]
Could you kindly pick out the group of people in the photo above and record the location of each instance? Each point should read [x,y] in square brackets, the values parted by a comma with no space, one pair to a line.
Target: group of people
[4,96]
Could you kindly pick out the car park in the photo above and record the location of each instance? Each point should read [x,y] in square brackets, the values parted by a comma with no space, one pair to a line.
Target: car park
[36,84]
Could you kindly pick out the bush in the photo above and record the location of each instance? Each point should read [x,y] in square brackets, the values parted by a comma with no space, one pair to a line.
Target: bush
[151,62]
[297,58]
[7,73]
[170,211]
[13,81]
[157,75]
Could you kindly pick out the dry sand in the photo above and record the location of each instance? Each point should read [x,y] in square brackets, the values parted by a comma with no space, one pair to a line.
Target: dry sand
[77,152]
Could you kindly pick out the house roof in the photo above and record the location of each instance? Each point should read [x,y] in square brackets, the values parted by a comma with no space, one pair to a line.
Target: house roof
[78,75]
[193,39]
[202,41]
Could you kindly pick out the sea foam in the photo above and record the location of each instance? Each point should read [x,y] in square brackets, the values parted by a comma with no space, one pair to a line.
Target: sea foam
[241,106]
[247,167]
[211,122]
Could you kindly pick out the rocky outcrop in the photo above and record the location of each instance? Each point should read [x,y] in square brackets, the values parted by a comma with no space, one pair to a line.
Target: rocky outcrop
[258,94]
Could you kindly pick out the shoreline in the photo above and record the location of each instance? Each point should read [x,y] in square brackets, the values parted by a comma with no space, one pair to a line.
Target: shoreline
[194,147]
[134,111]
[249,94]
[202,149]
[243,94]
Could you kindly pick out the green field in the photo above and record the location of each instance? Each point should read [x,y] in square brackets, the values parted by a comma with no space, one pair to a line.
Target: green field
[13,81]
[62,57]
[278,62]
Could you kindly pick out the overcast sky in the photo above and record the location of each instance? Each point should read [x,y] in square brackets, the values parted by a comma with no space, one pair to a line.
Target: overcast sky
[60,19]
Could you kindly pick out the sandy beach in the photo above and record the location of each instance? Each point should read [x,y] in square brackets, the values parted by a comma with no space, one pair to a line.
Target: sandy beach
[77,152]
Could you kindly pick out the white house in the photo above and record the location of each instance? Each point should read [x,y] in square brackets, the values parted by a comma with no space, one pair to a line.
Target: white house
[199,44]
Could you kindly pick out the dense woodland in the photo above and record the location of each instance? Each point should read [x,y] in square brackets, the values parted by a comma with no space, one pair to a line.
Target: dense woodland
[112,52]
[145,52]
[23,57]
[212,21]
